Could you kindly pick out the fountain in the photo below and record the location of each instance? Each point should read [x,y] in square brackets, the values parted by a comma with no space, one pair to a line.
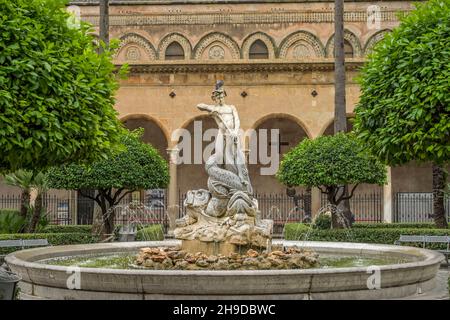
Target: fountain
[223,249]
[225,218]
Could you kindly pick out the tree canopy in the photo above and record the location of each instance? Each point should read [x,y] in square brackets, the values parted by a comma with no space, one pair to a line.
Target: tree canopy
[138,167]
[404,109]
[330,161]
[56,91]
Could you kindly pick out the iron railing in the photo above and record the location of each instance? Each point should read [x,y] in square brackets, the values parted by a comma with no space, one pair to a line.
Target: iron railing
[416,207]
[57,209]
[367,207]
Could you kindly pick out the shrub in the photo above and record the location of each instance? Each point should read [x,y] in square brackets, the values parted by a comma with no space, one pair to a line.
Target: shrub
[297,231]
[412,225]
[322,221]
[11,221]
[68,229]
[153,232]
[55,239]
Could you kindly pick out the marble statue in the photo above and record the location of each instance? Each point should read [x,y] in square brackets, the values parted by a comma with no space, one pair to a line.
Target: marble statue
[227,211]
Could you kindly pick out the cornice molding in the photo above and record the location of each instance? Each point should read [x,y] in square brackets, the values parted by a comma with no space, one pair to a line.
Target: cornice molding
[169,2]
[242,67]
[325,16]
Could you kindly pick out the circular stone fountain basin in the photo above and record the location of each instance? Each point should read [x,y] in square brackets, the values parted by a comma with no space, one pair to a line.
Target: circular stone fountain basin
[416,274]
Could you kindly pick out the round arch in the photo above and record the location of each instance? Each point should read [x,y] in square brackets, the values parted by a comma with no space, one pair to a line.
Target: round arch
[329,124]
[154,132]
[266,39]
[299,37]
[268,148]
[282,116]
[373,40]
[351,38]
[175,37]
[191,174]
[137,43]
[222,38]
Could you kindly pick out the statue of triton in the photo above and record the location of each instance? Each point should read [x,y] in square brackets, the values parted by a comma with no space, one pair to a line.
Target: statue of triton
[226,214]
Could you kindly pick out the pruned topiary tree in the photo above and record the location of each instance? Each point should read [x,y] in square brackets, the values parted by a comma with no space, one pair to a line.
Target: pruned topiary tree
[56,92]
[329,163]
[404,110]
[138,167]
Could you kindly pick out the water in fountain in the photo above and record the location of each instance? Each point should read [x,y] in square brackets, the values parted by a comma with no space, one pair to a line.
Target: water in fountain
[136,217]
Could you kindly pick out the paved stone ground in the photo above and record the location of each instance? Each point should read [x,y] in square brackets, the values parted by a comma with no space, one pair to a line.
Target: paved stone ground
[440,292]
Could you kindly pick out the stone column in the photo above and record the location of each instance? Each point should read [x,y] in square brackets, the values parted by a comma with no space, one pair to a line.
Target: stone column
[172,203]
[387,198]
[73,206]
[315,201]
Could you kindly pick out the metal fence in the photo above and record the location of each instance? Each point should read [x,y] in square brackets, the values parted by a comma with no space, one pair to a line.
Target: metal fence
[367,207]
[278,207]
[416,207]
[57,209]
[149,207]
[144,207]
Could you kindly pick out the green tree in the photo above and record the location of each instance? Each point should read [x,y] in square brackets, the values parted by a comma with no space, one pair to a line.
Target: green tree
[27,181]
[22,179]
[41,186]
[329,163]
[404,110]
[138,167]
[56,92]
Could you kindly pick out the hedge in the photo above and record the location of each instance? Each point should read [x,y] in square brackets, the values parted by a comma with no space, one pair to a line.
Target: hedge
[298,231]
[67,229]
[55,239]
[153,232]
[413,225]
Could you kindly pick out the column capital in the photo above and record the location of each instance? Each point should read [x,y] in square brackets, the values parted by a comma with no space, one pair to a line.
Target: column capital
[173,154]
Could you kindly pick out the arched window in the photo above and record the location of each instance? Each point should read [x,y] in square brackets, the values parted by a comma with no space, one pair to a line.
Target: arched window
[258,50]
[174,52]
[348,49]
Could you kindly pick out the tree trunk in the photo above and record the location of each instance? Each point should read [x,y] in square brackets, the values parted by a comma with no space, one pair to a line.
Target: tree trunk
[339,217]
[107,222]
[331,197]
[340,113]
[24,208]
[25,203]
[37,210]
[439,178]
[340,117]
[344,206]
[104,22]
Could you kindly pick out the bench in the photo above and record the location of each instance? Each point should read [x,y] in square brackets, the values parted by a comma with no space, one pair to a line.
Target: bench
[424,240]
[20,243]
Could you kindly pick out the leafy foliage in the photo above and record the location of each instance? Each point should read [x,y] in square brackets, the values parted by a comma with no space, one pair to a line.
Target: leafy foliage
[67,229]
[330,161]
[153,232]
[11,221]
[56,92]
[322,221]
[404,110]
[139,166]
[396,225]
[298,231]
